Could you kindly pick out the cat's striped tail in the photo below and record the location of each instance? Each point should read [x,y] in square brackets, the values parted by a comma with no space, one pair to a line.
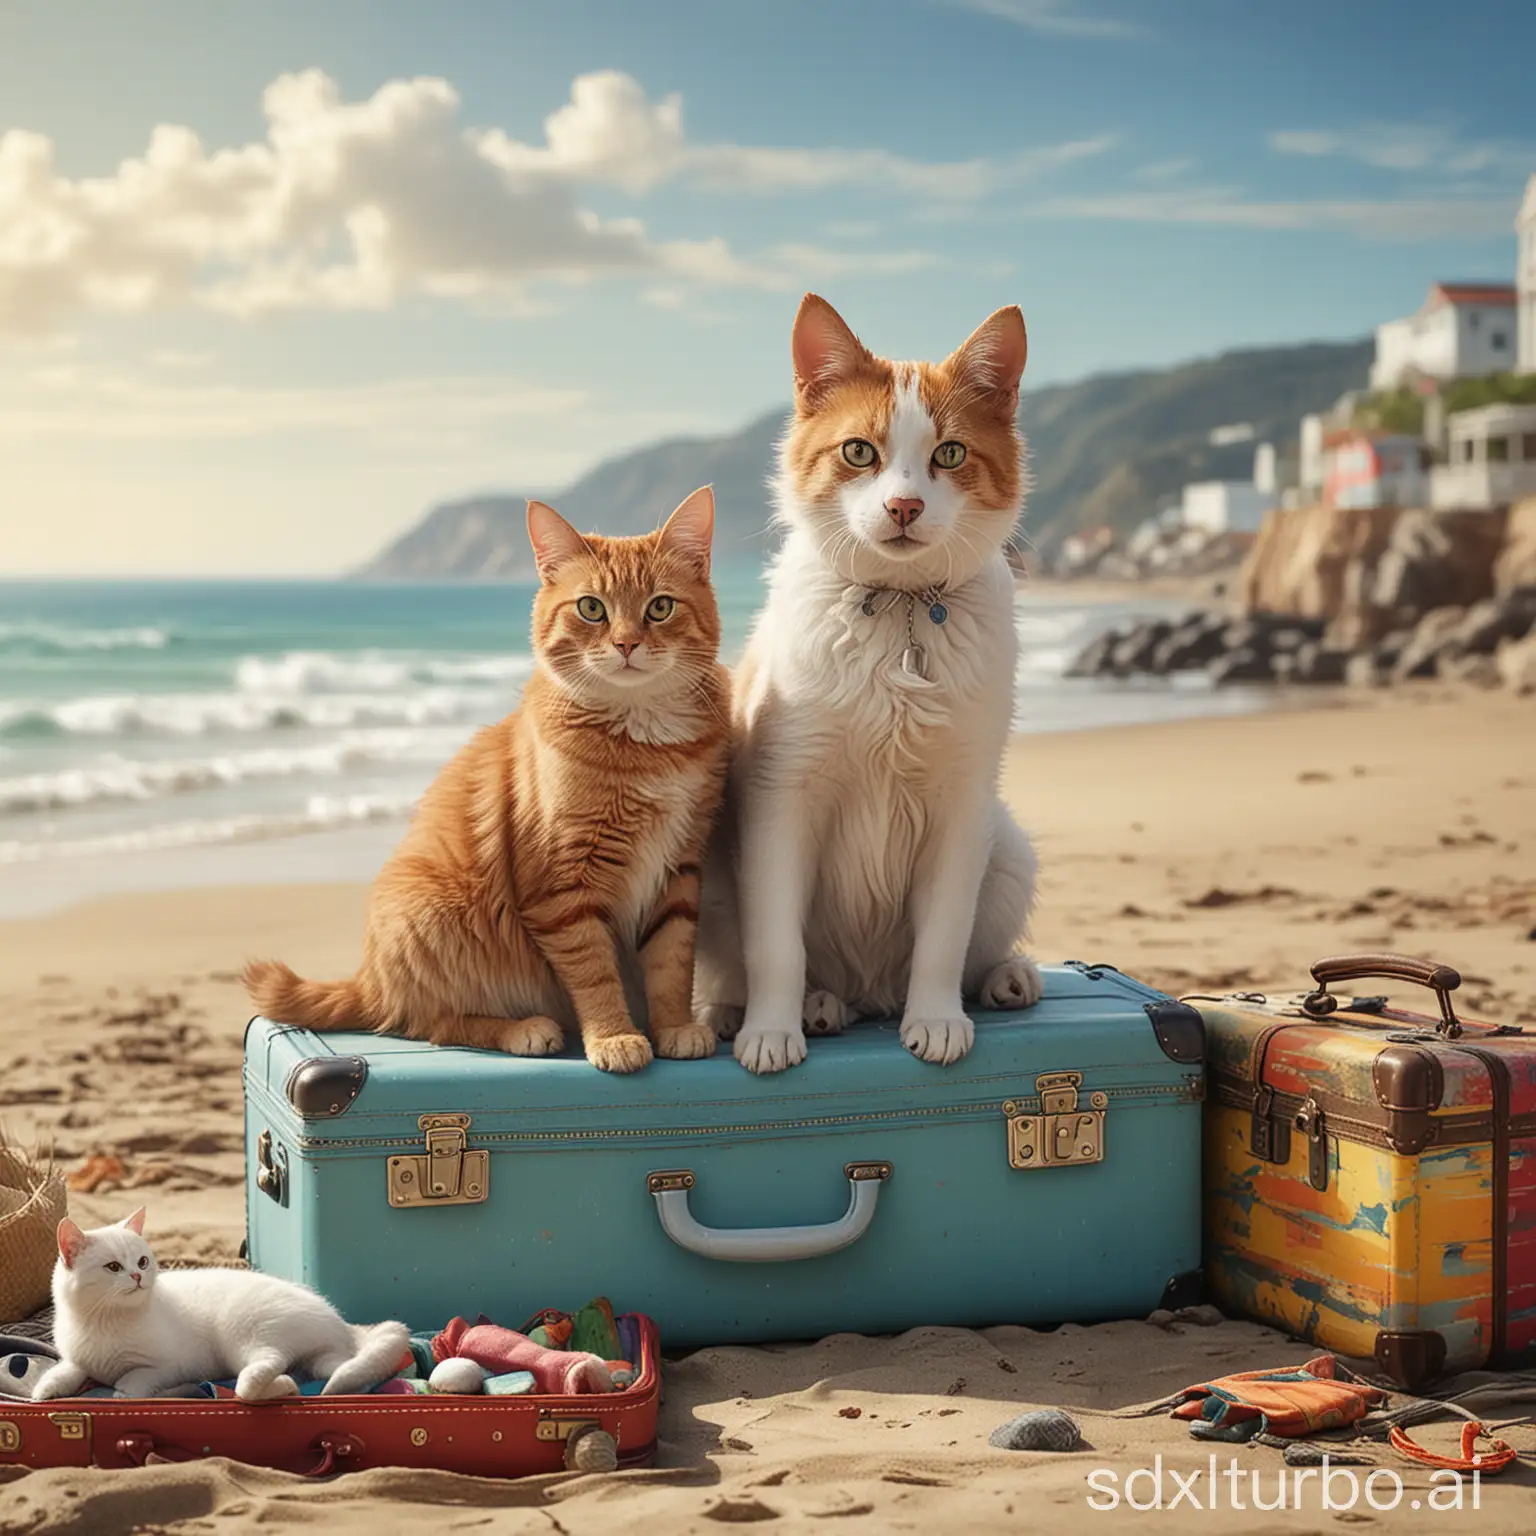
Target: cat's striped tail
[286,998]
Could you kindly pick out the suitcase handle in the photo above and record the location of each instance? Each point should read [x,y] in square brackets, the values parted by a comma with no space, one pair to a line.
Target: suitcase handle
[766,1245]
[141,1450]
[1442,980]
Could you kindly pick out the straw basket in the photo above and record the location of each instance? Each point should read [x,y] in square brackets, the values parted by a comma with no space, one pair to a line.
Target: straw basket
[33,1201]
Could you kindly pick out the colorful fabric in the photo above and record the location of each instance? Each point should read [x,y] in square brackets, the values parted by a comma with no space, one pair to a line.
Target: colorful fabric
[1288,1402]
[500,1350]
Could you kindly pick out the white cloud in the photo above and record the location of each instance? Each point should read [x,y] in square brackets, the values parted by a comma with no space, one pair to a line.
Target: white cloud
[1407,147]
[358,205]
[1424,218]
[1058,18]
[89,401]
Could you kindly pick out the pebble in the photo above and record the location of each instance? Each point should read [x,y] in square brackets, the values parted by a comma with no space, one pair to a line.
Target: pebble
[1045,1429]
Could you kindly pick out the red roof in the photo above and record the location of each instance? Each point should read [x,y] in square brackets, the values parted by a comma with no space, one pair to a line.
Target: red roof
[1472,293]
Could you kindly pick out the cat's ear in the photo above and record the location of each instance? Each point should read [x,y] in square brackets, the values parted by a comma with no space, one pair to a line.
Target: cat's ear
[690,529]
[71,1241]
[994,354]
[135,1223]
[824,350]
[554,540]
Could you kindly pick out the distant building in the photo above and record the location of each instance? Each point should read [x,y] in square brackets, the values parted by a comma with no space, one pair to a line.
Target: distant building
[1492,458]
[1525,229]
[1364,469]
[1463,330]
[1225,506]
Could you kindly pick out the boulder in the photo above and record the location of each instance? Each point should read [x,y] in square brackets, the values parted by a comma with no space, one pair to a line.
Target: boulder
[1510,616]
[1317,662]
[1134,653]
[1093,660]
[1435,635]
[1517,664]
[1478,671]
[1516,565]
[1298,561]
[1364,670]
[1244,665]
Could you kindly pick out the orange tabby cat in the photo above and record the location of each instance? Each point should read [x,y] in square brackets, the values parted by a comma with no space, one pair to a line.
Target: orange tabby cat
[566,839]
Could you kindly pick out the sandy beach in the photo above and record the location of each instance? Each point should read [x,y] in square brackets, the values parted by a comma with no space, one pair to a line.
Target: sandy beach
[1205,855]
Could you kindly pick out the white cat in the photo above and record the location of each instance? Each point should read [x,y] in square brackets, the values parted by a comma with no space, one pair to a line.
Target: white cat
[120,1322]
[864,862]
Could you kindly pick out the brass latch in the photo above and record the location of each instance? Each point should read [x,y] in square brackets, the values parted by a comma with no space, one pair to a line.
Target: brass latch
[72,1426]
[553,1427]
[447,1173]
[10,1437]
[1062,1134]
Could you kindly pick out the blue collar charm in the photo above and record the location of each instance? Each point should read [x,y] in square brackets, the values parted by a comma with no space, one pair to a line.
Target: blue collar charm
[878,600]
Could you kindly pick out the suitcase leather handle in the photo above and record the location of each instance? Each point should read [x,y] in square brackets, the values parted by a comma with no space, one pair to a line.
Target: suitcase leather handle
[1442,980]
[141,1450]
[767,1245]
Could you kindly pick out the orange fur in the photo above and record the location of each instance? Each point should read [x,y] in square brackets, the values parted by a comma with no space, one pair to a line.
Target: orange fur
[559,851]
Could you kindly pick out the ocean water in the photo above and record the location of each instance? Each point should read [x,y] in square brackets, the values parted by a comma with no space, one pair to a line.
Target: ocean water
[170,733]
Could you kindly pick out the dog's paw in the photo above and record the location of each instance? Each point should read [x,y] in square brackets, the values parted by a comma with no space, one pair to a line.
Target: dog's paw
[824,1014]
[770,1050]
[1015,983]
[724,1018]
[627,1052]
[686,1042]
[940,1041]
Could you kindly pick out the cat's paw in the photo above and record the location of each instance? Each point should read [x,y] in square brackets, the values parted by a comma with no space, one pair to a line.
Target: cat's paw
[61,1380]
[619,1053]
[686,1042]
[824,1014]
[770,1050]
[1015,983]
[537,1036]
[940,1041]
[724,1018]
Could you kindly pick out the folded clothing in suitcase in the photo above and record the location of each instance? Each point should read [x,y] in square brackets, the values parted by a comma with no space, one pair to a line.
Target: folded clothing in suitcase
[1051,1175]
[1371,1173]
[317,1436]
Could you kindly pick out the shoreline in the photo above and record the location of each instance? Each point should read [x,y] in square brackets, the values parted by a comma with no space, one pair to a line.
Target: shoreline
[1201,856]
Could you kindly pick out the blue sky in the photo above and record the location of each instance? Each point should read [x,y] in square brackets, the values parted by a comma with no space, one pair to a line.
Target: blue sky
[385,253]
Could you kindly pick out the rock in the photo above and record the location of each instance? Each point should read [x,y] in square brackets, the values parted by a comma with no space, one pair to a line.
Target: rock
[1203,1316]
[1517,664]
[1298,561]
[1288,639]
[1435,635]
[1244,665]
[1195,640]
[1046,1429]
[1363,670]
[1317,662]
[1093,659]
[1438,559]
[1391,646]
[1510,616]
[1516,565]
[1161,1318]
[1478,671]
[1134,653]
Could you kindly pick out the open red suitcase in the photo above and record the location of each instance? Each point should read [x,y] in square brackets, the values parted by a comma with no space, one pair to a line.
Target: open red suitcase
[320,1436]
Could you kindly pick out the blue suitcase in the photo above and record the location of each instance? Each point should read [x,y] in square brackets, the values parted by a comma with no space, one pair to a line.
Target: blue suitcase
[1052,1175]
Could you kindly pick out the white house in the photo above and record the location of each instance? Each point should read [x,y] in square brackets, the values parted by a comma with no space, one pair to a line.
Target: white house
[1492,458]
[1231,506]
[1525,278]
[1461,331]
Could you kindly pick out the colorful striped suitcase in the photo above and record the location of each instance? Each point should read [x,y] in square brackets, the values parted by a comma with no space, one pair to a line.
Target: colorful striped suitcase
[1051,1175]
[1370,1174]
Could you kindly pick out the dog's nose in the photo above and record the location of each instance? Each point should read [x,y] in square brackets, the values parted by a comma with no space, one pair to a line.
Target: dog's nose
[904,510]
[626,648]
